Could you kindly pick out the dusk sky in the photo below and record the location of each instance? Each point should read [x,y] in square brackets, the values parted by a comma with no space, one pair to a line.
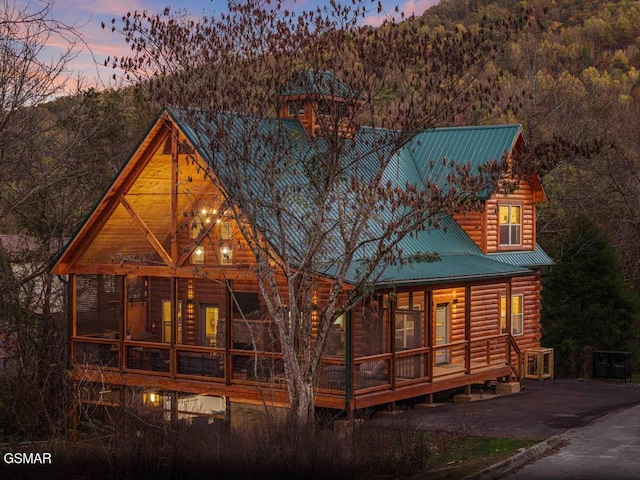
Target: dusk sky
[87,16]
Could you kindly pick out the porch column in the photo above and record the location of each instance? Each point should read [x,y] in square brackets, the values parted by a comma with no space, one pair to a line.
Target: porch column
[72,316]
[392,340]
[228,336]
[348,384]
[508,320]
[123,323]
[173,294]
[467,329]
[429,320]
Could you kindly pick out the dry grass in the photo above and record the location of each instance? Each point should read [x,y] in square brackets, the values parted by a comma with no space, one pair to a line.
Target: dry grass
[141,445]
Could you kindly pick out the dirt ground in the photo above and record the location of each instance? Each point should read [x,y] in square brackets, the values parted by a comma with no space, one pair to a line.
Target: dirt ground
[542,409]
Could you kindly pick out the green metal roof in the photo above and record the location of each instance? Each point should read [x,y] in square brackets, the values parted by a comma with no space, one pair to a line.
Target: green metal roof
[434,151]
[536,258]
[426,159]
[450,268]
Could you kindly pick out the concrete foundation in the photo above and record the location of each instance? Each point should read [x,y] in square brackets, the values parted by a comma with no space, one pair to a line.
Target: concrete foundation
[507,388]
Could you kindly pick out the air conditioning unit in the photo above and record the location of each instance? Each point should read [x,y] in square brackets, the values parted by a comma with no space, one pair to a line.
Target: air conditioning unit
[538,363]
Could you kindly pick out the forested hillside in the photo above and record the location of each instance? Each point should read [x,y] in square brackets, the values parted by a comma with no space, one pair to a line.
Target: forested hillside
[570,76]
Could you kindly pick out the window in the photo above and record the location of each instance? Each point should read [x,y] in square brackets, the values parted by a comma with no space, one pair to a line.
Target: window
[197,257]
[226,230]
[409,320]
[510,224]
[210,317]
[517,314]
[405,328]
[294,107]
[166,322]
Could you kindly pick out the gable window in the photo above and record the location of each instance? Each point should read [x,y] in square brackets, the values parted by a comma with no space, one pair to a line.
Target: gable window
[295,108]
[517,314]
[510,225]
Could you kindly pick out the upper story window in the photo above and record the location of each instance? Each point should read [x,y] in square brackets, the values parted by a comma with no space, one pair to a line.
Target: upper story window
[510,225]
[295,108]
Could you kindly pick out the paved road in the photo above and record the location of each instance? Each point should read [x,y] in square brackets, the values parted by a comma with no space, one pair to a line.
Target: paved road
[609,448]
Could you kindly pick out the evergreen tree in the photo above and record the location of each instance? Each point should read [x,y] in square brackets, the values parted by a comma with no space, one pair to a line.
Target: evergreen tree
[587,302]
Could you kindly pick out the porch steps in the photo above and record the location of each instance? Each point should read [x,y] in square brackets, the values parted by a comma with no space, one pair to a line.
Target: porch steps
[507,388]
[501,388]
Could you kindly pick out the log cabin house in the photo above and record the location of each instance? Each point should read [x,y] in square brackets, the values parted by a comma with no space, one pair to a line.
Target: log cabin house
[156,304]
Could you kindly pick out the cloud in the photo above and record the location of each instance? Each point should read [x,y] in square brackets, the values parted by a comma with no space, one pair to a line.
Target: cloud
[409,7]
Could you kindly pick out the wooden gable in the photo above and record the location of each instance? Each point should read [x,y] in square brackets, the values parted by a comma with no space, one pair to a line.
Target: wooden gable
[162,207]
[483,227]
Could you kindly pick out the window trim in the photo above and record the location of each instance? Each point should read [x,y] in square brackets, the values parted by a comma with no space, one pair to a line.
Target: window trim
[510,226]
[517,318]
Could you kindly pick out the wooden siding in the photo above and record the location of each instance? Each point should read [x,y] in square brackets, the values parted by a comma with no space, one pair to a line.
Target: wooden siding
[530,288]
[483,227]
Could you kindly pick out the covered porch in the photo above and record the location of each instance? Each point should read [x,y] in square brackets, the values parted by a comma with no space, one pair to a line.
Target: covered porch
[205,337]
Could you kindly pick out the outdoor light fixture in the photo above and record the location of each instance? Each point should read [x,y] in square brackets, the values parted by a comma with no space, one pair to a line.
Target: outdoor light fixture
[151,398]
[197,257]
[202,215]
[226,254]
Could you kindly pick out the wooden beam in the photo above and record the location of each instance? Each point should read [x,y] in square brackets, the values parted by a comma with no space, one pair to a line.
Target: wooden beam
[147,232]
[174,192]
[233,272]
[91,228]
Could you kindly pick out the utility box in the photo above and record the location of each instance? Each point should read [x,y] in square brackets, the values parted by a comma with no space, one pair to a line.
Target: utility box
[607,364]
[538,363]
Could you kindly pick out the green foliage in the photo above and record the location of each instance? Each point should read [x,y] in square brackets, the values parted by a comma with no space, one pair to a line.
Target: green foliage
[587,302]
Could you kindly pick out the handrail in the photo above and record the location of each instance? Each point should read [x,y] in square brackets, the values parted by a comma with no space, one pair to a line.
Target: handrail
[517,370]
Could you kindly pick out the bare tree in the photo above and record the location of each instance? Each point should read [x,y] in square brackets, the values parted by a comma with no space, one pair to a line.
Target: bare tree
[332,205]
[28,76]
[37,190]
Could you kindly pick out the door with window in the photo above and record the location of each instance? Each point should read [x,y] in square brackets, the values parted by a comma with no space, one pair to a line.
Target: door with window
[167,324]
[442,335]
[209,317]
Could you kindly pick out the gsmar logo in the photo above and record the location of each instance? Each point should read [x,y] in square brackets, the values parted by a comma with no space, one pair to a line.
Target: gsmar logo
[27,458]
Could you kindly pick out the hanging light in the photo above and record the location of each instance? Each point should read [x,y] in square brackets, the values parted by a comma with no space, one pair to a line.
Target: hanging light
[197,257]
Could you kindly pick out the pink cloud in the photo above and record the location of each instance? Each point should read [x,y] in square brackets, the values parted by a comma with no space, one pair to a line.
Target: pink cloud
[409,7]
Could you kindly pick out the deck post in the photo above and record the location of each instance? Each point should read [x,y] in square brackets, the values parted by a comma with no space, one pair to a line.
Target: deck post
[174,325]
[349,362]
[467,329]
[430,327]
[228,337]
[508,321]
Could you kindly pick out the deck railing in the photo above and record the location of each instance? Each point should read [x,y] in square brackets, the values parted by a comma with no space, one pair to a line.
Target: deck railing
[237,366]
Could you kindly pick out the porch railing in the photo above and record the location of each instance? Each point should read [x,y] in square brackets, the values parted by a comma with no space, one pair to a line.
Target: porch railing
[369,373]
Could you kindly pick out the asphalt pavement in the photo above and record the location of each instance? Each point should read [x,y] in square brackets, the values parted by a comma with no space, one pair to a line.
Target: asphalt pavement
[542,409]
[607,449]
[586,429]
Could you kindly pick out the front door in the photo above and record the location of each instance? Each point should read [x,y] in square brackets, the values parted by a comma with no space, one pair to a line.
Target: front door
[442,332]
[209,325]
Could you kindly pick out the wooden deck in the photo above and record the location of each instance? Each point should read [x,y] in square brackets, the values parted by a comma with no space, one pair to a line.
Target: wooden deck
[258,377]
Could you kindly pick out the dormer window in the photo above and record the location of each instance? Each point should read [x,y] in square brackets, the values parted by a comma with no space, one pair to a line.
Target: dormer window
[510,217]
[295,109]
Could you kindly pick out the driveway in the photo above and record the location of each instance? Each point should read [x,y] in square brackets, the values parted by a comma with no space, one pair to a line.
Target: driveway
[542,409]
[608,448]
